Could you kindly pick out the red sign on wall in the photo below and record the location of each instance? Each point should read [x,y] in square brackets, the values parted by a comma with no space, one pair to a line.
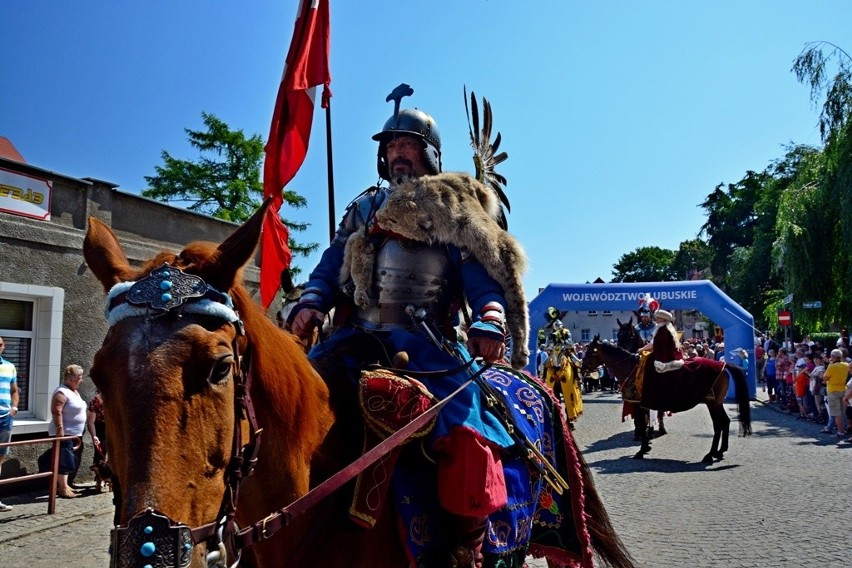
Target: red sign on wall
[784,318]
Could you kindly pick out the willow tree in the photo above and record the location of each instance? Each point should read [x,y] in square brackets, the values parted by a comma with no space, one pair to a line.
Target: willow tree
[815,213]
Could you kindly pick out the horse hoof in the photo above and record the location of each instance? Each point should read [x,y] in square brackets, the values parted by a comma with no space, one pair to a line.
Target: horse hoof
[707,459]
[639,455]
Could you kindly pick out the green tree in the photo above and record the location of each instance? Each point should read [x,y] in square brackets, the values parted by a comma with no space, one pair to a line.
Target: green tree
[645,264]
[815,216]
[225,182]
[693,259]
[812,67]
[731,220]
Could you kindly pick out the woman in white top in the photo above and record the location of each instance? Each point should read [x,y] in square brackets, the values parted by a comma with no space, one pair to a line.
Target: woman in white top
[69,419]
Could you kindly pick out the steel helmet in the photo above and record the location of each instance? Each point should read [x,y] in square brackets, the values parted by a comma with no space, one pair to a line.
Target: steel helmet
[411,122]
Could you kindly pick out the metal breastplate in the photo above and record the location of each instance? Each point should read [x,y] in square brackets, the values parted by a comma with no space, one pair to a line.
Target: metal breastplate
[407,273]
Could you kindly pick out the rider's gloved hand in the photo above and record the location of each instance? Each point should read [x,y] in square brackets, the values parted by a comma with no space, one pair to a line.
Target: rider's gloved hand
[489,349]
[486,340]
[303,320]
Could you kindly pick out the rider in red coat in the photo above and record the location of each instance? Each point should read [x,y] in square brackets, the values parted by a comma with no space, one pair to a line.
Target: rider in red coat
[667,352]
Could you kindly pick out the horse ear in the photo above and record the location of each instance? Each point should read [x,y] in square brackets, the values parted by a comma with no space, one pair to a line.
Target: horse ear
[236,250]
[104,255]
[597,337]
[630,321]
[618,321]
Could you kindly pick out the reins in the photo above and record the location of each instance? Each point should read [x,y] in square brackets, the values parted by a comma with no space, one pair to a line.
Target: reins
[265,528]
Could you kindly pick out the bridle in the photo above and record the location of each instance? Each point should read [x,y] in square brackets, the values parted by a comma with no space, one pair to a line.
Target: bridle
[151,538]
[629,355]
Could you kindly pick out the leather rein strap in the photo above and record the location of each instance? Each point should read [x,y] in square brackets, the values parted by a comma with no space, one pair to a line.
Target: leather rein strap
[265,528]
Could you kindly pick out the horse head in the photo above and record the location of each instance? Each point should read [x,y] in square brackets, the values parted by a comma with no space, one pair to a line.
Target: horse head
[591,357]
[173,382]
[627,337]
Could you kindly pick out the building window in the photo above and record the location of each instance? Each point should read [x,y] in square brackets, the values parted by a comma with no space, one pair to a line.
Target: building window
[614,335]
[593,313]
[585,335]
[31,326]
[606,313]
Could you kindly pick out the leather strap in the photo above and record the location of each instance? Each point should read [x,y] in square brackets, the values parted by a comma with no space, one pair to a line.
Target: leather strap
[265,528]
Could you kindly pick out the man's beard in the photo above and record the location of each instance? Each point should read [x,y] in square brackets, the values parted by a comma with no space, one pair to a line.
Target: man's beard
[402,177]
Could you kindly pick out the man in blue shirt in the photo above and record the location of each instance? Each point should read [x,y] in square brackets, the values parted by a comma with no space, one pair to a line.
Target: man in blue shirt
[8,406]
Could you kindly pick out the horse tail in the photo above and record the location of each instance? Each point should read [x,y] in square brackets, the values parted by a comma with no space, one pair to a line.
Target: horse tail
[605,542]
[743,401]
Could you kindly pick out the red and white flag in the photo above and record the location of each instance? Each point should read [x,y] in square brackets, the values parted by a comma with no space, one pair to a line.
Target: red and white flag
[305,68]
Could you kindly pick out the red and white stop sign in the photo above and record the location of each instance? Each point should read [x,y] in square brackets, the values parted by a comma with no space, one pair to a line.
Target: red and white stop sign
[784,318]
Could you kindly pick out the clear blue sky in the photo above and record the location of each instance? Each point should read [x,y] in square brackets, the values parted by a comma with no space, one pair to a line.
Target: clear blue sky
[619,117]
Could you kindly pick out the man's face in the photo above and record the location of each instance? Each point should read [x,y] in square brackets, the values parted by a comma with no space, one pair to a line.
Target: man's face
[405,157]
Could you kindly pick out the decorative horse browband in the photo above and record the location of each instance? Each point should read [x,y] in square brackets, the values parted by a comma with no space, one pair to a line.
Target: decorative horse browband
[163,290]
[150,538]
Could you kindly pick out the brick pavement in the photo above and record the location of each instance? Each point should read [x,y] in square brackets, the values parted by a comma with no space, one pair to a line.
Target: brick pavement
[780,498]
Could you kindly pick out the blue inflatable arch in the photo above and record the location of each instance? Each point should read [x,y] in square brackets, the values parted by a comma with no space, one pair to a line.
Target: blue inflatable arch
[692,294]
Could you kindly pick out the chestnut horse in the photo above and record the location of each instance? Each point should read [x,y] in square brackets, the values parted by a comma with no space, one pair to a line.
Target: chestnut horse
[172,371]
[681,394]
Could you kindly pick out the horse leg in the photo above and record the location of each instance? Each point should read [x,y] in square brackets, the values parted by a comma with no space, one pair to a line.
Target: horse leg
[661,431]
[642,427]
[725,422]
[717,432]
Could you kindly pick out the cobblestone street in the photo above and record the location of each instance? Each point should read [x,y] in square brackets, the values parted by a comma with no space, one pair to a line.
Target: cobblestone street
[754,509]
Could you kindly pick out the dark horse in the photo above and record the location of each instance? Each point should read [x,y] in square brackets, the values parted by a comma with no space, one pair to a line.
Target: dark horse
[628,338]
[186,349]
[681,393]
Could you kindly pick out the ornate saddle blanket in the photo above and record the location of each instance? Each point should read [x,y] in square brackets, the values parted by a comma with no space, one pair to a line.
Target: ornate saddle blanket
[388,402]
[679,390]
[537,520]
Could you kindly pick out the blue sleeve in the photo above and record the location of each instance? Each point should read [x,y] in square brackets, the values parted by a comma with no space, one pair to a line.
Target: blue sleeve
[322,286]
[479,287]
[482,293]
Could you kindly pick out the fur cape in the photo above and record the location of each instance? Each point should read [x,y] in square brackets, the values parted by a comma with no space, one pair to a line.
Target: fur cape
[450,208]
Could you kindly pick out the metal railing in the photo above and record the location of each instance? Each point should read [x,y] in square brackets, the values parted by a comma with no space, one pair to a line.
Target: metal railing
[52,474]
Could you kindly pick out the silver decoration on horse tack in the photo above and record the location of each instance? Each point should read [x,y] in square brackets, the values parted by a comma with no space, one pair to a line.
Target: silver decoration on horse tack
[151,539]
[166,288]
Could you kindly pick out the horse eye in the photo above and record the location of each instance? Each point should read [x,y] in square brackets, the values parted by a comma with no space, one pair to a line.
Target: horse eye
[221,371]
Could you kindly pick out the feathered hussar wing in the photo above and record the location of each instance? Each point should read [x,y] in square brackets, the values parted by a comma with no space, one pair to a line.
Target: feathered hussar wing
[485,152]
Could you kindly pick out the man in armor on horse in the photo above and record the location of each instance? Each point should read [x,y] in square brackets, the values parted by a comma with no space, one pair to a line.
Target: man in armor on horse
[561,369]
[645,327]
[411,319]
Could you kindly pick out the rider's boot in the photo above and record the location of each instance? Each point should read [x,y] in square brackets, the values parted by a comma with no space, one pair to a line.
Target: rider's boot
[470,533]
